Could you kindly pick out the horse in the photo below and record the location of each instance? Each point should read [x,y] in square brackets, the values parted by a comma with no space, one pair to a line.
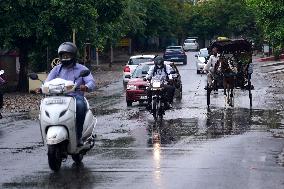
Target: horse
[228,80]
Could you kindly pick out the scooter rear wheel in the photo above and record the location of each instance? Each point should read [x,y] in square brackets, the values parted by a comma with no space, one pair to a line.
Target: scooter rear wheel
[77,158]
[54,157]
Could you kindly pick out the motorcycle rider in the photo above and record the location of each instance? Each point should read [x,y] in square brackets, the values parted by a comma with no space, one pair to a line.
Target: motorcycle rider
[165,71]
[209,67]
[69,69]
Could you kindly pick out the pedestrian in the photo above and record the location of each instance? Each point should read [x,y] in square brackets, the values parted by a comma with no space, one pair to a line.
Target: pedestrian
[69,69]
[2,81]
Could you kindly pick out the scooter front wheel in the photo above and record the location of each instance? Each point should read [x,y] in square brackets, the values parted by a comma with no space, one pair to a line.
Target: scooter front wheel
[54,157]
[77,158]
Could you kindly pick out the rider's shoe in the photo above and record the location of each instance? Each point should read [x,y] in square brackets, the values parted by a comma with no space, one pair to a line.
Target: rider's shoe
[80,142]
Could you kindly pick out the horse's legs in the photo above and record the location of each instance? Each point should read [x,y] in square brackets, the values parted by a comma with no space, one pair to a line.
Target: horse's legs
[225,86]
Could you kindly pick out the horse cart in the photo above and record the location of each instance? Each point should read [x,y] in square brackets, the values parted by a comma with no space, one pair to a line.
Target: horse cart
[233,69]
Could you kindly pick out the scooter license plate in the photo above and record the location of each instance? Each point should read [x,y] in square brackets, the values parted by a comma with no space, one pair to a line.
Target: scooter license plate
[143,97]
[55,101]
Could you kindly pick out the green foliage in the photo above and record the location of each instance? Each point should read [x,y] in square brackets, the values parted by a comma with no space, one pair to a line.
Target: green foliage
[221,18]
[270,19]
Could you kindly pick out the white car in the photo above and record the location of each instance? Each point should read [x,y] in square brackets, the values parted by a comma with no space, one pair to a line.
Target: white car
[190,44]
[132,63]
[201,59]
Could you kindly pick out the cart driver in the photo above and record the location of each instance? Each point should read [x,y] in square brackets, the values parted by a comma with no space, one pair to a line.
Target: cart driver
[209,67]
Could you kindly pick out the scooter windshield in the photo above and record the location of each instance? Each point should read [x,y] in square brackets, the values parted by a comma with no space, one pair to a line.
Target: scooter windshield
[58,86]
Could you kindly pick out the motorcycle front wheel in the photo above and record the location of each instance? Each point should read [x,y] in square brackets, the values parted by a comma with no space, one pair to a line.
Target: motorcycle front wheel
[54,157]
[155,108]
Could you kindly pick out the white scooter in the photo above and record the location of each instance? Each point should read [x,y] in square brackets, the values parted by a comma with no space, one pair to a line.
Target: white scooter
[58,122]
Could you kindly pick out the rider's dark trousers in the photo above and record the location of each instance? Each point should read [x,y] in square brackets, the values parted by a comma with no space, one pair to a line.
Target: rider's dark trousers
[167,94]
[81,108]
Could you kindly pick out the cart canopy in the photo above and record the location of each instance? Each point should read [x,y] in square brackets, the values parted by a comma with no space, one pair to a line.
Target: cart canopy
[231,46]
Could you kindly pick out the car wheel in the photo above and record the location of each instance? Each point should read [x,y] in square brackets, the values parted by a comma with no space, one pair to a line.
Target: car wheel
[198,71]
[185,62]
[129,103]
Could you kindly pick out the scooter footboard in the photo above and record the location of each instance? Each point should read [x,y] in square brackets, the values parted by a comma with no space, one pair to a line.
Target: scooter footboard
[56,134]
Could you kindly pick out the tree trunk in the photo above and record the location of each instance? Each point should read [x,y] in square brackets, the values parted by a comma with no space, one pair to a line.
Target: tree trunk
[23,80]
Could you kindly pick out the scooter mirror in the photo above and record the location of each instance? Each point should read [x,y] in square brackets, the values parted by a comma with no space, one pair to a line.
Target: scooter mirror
[84,73]
[33,76]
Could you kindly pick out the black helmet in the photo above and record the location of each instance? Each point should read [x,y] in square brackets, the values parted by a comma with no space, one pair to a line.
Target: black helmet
[70,48]
[159,61]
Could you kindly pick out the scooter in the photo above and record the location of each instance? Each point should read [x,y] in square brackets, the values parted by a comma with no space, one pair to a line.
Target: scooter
[58,122]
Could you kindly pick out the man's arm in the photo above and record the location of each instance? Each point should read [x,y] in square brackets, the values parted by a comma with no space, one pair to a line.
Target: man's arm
[207,66]
[169,69]
[150,73]
[53,73]
[90,82]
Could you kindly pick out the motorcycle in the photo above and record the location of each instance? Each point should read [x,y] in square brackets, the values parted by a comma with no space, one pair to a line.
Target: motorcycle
[158,106]
[58,122]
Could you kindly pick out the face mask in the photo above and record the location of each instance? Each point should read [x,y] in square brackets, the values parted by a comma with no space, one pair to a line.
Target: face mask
[67,62]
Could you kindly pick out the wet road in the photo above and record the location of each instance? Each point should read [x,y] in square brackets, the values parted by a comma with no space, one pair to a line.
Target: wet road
[200,148]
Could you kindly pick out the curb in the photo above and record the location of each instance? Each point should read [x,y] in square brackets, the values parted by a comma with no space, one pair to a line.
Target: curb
[271,58]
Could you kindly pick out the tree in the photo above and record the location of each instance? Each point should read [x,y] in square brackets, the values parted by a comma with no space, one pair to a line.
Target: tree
[270,19]
[27,24]
[221,17]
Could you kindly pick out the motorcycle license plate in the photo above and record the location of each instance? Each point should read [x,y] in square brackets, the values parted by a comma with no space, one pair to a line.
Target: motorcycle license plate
[143,97]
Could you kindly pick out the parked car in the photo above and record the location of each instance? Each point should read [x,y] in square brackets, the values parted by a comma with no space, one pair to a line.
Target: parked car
[136,87]
[190,44]
[201,59]
[175,54]
[131,65]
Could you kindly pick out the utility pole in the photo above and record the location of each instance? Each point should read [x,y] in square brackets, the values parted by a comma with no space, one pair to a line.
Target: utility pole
[74,36]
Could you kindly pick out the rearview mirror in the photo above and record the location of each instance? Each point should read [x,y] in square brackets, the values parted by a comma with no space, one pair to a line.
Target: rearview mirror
[84,73]
[33,76]
[128,76]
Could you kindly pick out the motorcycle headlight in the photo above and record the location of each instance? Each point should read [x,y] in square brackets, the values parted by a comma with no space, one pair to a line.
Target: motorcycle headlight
[156,84]
[131,87]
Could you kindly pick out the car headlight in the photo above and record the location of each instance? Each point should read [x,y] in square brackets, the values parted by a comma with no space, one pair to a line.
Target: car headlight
[131,87]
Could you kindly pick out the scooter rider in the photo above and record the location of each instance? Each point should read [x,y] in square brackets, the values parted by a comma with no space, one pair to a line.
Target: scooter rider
[165,71]
[70,69]
[209,67]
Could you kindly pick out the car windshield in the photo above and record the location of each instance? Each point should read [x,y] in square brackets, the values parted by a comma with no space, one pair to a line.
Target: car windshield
[174,49]
[203,53]
[137,61]
[140,71]
[189,41]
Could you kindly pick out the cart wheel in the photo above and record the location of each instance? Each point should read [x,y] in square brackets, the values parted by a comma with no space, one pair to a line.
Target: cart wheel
[208,95]
[250,95]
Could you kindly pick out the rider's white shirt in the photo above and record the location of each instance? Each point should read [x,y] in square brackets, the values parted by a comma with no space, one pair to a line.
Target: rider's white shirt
[211,62]
[160,71]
